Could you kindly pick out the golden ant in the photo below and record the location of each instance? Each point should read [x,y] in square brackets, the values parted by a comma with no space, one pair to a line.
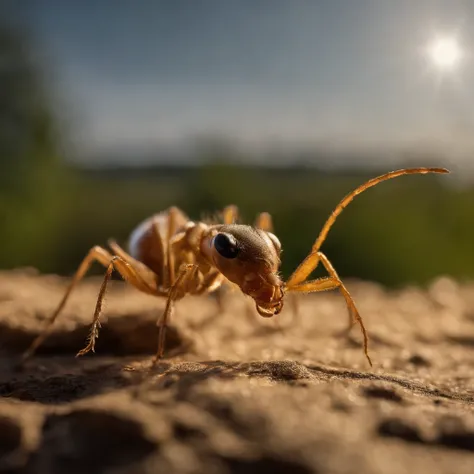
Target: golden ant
[171,256]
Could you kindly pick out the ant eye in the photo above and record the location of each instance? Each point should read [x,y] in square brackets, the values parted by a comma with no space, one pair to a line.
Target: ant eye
[226,245]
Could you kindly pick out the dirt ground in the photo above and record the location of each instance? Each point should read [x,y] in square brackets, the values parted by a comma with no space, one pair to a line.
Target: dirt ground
[238,393]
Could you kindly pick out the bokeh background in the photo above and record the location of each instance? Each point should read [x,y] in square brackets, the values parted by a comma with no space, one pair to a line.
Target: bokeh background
[113,110]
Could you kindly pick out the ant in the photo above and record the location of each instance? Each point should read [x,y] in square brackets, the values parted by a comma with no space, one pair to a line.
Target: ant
[171,256]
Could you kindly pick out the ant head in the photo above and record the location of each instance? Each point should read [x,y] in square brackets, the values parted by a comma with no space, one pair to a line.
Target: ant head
[250,258]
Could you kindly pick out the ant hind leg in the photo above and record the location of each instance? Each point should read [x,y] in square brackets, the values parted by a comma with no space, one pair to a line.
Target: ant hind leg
[105,258]
[95,254]
[128,273]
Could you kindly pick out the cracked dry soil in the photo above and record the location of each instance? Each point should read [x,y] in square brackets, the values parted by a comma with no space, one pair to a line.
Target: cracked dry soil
[238,393]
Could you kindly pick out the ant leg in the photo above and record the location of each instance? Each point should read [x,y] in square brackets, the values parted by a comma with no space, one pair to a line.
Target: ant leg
[354,316]
[96,253]
[230,214]
[211,283]
[313,286]
[171,231]
[94,331]
[330,283]
[219,296]
[146,273]
[307,266]
[163,246]
[264,221]
[159,248]
[312,260]
[294,304]
[176,292]
[129,274]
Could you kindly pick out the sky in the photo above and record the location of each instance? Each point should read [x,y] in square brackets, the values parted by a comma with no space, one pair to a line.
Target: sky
[337,74]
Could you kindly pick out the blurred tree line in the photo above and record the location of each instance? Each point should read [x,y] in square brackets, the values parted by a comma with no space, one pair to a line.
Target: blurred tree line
[405,231]
[408,230]
[30,163]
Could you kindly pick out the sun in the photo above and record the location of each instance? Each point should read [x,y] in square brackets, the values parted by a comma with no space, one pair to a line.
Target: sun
[445,53]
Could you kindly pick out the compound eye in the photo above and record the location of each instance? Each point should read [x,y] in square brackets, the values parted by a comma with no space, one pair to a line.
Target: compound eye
[226,245]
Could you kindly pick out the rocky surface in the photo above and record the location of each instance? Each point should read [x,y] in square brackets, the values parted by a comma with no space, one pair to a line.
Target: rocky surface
[238,393]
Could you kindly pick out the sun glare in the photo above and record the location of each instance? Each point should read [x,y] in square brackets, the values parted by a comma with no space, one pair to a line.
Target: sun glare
[445,53]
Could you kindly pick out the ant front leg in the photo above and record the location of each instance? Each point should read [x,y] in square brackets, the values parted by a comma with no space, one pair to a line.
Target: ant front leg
[296,283]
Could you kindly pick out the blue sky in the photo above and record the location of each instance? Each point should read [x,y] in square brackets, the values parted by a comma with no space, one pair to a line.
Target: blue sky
[334,73]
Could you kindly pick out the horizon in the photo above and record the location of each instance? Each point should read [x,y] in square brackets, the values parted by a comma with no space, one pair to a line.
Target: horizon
[263,76]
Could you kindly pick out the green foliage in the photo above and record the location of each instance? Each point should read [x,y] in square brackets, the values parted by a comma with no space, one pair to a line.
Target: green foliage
[404,231]
[29,159]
